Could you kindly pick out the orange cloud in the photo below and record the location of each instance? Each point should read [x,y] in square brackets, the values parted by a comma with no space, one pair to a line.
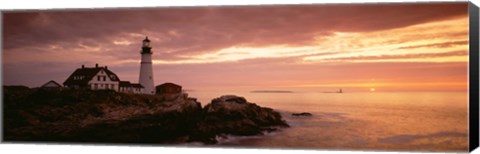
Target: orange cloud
[255,46]
[437,45]
[402,56]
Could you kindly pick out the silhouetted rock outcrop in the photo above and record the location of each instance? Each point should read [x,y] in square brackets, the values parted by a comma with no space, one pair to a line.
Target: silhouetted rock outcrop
[233,115]
[302,114]
[96,116]
[110,117]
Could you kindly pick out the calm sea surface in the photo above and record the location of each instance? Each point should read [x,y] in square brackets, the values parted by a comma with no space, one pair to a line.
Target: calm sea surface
[425,121]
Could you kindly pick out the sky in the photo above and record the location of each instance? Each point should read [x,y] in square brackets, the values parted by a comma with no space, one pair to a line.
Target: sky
[386,47]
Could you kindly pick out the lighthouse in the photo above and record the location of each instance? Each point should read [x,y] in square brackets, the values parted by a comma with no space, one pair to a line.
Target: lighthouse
[146,70]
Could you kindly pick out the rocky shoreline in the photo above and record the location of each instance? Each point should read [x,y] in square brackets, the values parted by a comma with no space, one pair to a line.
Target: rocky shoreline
[110,117]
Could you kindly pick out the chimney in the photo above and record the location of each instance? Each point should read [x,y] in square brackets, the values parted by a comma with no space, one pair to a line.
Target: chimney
[96,65]
[83,66]
[106,67]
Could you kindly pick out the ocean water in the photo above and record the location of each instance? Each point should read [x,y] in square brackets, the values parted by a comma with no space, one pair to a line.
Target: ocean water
[418,121]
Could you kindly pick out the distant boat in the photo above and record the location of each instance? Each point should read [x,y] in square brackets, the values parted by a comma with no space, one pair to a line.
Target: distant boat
[339,91]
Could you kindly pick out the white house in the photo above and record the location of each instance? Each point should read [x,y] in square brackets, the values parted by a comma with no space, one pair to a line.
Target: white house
[99,78]
[127,87]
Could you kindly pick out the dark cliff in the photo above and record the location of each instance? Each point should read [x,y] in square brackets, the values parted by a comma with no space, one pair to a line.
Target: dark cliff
[53,115]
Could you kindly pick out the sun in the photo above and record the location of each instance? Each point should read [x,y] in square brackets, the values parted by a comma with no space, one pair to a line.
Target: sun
[372,89]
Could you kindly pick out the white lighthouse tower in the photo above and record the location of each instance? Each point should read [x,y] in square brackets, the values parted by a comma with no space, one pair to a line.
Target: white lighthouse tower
[146,70]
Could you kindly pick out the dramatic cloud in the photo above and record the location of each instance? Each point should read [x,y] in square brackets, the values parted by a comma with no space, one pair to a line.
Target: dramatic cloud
[298,46]
[404,56]
[208,28]
[437,45]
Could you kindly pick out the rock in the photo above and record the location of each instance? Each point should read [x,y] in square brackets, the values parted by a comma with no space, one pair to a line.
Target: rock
[233,115]
[302,114]
[97,116]
[110,117]
[230,99]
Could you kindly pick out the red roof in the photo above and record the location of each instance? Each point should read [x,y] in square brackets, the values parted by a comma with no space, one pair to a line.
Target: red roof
[169,84]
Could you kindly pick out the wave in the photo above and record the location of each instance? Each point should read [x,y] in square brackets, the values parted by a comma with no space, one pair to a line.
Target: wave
[236,140]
